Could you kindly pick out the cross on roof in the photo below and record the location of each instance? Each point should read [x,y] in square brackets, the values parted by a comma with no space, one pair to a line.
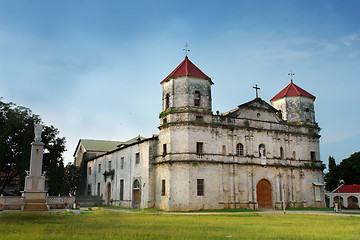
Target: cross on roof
[256,89]
[291,74]
[186,49]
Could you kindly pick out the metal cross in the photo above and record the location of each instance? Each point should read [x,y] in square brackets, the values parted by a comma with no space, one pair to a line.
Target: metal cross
[256,89]
[291,74]
[186,49]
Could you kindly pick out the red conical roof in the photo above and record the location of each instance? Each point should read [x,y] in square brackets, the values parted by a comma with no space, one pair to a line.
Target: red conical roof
[187,68]
[292,90]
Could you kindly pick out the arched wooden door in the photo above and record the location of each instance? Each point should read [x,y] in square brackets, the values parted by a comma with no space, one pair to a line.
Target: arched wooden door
[108,196]
[136,194]
[263,193]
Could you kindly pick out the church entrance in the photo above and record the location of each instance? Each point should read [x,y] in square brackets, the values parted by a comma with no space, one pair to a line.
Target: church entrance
[108,194]
[263,193]
[136,194]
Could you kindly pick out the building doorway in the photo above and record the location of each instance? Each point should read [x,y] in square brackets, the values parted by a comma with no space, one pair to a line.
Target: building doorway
[263,194]
[108,194]
[136,194]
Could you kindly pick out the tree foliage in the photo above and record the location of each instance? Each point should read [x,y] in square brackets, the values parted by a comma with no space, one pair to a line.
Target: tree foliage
[16,136]
[348,171]
[72,176]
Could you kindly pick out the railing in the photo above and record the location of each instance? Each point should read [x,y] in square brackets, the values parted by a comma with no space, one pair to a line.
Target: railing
[60,202]
[12,202]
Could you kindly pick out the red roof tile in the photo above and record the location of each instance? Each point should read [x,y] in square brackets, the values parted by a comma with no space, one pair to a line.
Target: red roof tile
[349,189]
[292,90]
[187,68]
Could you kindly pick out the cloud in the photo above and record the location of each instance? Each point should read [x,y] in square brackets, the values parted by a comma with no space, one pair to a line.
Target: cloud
[348,40]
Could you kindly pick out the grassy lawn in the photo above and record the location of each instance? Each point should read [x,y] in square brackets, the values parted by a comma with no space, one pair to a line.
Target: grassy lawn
[105,224]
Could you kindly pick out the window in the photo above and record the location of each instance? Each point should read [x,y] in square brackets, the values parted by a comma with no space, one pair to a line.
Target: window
[122,163]
[122,189]
[294,155]
[164,120]
[99,168]
[281,153]
[224,150]
[89,170]
[239,149]
[312,156]
[163,187]
[199,148]
[98,189]
[262,151]
[200,187]
[164,149]
[137,157]
[89,189]
[197,98]
[167,101]
[109,165]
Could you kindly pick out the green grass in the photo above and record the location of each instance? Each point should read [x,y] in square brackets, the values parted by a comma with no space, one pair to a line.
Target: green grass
[105,224]
[309,209]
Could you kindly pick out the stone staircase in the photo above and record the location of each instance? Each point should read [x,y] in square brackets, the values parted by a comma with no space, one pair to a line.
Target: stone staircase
[32,205]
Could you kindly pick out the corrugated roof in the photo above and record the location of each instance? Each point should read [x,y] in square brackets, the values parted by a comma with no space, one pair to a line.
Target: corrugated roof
[348,189]
[187,68]
[292,90]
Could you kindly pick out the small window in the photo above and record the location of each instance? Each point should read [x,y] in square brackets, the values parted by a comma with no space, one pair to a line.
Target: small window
[122,163]
[98,189]
[89,189]
[99,168]
[163,190]
[167,101]
[199,118]
[109,165]
[258,115]
[262,151]
[224,150]
[199,148]
[137,158]
[239,149]
[312,156]
[89,170]
[200,187]
[294,155]
[164,120]
[197,98]
[122,189]
[281,153]
[164,150]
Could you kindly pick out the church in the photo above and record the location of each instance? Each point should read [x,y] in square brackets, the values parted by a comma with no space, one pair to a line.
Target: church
[258,155]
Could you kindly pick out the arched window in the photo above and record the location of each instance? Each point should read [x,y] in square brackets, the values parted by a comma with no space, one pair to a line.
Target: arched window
[294,155]
[167,101]
[197,98]
[281,153]
[224,150]
[262,151]
[239,149]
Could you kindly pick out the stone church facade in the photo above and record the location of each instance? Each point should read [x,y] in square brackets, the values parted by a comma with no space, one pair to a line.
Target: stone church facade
[254,156]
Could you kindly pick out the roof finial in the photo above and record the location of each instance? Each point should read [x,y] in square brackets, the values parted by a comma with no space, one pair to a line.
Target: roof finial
[291,74]
[186,50]
[256,89]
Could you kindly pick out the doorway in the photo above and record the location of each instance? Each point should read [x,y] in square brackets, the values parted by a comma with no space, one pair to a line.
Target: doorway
[263,194]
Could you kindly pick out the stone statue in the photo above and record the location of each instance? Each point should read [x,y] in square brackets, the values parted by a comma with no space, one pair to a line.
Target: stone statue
[38,130]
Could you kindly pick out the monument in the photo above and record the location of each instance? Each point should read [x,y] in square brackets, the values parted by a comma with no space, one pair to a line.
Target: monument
[34,192]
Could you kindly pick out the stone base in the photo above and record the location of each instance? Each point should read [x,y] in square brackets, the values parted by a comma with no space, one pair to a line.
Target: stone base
[35,201]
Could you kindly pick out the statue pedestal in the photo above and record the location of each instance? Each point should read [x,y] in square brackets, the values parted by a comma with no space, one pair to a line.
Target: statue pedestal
[34,192]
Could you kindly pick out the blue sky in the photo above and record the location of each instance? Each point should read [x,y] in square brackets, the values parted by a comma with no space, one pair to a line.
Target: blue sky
[92,68]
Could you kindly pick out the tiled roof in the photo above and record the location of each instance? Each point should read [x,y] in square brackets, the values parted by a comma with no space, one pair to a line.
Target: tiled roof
[187,68]
[349,189]
[99,145]
[292,90]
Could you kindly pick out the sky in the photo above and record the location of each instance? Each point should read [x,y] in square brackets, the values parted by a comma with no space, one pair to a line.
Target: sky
[93,68]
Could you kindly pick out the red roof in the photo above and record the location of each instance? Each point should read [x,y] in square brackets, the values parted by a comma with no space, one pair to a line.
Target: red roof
[349,189]
[292,90]
[187,68]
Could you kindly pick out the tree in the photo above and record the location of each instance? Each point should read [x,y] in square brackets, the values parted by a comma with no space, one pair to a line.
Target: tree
[72,176]
[16,136]
[348,170]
